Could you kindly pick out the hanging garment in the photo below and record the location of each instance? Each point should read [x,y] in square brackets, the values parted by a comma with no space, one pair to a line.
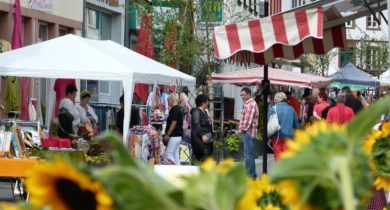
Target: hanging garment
[12,94]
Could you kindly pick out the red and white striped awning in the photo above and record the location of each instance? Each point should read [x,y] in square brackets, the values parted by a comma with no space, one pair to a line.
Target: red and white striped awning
[285,35]
[276,77]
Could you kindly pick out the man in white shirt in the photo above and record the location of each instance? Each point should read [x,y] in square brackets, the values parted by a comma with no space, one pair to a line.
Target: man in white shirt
[67,106]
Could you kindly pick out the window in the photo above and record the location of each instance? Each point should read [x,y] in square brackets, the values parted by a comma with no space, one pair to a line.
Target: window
[347,55]
[96,88]
[371,22]
[104,87]
[350,24]
[298,3]
[63,31]
[43,32]
[92,18]
[372,61]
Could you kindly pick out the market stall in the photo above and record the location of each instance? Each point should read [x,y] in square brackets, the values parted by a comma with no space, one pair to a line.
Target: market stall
[276,77]
[350,75]
[287,35]
[72,57]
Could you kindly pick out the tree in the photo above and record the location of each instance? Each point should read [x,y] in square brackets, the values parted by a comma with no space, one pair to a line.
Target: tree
[372,55]
[317,64]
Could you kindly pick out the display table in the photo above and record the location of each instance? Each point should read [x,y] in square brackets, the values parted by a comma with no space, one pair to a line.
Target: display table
[12,167]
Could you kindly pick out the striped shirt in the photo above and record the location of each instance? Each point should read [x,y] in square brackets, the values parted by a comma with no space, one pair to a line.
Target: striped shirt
[249,118]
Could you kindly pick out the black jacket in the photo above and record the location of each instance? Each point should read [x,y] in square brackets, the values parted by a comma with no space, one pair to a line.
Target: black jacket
[353,103]
[200,125]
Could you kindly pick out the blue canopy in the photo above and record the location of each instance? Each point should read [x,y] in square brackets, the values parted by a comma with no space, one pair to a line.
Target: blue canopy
[350,74]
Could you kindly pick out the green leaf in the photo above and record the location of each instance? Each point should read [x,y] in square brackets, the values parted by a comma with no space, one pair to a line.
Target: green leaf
[363,123]
[139,189]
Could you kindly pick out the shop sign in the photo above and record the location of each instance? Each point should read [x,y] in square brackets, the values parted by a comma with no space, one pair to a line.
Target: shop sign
[211,10]
[41,5]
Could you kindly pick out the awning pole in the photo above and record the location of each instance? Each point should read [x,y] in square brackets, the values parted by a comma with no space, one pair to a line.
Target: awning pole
[265,85]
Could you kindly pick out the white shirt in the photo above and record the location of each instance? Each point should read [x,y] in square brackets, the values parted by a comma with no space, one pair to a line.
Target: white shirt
[83,113]
[69,105]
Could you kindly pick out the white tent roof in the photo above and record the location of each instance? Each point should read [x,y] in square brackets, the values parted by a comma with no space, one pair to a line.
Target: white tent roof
[71,56]
[74,57]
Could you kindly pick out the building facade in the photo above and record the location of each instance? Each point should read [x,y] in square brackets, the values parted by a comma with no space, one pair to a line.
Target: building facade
[41,20]
[104,20]
[367,46]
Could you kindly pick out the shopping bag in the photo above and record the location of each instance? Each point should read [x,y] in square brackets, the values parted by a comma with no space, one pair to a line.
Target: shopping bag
[273,125]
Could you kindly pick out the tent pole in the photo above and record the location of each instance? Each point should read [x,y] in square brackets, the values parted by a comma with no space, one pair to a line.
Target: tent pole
[265,85]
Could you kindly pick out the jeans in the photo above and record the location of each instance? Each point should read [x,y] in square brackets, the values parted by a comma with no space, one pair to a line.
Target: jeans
[248,154]
[173,149]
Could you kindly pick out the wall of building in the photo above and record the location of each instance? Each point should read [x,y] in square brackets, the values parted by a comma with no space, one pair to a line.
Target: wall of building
[56,18]
[108,24]
[356,30]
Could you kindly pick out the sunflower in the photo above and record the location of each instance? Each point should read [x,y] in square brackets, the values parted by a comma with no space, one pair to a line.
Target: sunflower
[222,167]
[377,145]
[303,137]
[260,195]
[7,206]
[62,187]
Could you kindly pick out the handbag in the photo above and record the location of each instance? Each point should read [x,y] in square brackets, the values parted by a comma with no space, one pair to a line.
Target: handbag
[273,125]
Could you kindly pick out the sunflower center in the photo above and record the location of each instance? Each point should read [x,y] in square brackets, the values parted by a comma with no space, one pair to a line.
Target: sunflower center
[74,197]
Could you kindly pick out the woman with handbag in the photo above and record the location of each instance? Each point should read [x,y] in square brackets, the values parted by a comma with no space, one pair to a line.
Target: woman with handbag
[201,129]
[286,117]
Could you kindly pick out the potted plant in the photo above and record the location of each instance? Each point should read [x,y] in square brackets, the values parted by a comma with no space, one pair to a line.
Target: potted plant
[234,146]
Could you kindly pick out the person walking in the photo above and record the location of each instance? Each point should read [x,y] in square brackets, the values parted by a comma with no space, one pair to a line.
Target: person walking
[248,129]
[201,129]
[174,129]
[288,121]
[341,113]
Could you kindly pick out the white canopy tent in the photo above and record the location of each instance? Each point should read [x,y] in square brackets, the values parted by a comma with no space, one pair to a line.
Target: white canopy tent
[73,57]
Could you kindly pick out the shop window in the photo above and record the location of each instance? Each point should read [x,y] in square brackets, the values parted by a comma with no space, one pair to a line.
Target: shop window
[346,56]
[372,61]
[43,32]
[371,22]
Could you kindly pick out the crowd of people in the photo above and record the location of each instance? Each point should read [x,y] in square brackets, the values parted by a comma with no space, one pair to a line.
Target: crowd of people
[182,121]
[195,126]
[334,106]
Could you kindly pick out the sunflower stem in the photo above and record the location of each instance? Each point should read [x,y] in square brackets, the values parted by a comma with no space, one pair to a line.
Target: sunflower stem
[346,189]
